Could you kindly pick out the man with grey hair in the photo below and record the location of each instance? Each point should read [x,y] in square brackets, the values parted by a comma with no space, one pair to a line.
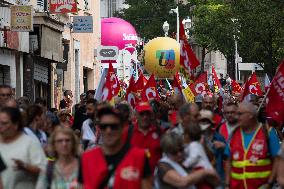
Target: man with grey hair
[188,113]
[251,152]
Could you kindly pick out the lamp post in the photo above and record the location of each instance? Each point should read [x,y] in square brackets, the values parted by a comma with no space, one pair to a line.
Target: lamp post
[177,12]
[237,58]
[187,25]
[166,28]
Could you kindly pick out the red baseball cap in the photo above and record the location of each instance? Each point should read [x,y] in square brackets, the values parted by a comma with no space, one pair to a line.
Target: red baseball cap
[143,107]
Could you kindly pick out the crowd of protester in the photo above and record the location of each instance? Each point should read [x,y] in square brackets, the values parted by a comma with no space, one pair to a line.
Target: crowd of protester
[166,144]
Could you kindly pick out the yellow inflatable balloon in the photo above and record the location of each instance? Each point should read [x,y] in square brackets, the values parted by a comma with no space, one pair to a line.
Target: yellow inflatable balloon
[161,57]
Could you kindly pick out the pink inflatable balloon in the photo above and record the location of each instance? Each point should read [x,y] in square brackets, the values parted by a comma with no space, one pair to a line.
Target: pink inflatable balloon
[117,32]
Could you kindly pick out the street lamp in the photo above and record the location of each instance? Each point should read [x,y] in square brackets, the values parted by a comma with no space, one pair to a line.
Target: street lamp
[237,58]
[166,28]
[177,12]
[187,25]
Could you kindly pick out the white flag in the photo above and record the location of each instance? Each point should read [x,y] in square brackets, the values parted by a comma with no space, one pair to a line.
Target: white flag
[266,82]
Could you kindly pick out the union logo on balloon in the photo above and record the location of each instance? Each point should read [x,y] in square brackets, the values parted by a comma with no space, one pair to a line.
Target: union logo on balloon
[162,56]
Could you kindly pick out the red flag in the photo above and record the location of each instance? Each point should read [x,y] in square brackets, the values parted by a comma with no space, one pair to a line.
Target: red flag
[150,90]
[275,97]
[114,81]
[200,85]
[177,84]
[236,88]
[144,80]
[139,85]
[130,95]
[107,94]
[215,79]
[187,57]
[252,86]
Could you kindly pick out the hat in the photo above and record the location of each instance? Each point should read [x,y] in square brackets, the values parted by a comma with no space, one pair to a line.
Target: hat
[143,107]
[206,114]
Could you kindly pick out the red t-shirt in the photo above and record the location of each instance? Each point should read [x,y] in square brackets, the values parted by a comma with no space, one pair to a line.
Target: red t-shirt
[149,142]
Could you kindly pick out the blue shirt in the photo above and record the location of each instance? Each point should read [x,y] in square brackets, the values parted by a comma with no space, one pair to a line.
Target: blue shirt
[218,153]
[274,142]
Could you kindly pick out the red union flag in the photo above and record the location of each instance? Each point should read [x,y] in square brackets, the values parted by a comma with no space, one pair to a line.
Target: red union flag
[62,6]
[114,81]
[215,79]
[200,85]
[187,57]
[236,88]
[275,97]
[252,86]
[150,90]
[107,89]
[130,95]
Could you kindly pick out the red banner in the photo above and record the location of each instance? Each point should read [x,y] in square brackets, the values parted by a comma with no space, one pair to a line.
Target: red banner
[62,7]
[200,85]
[150,90]
[275,97]
[188,59]
[252,86]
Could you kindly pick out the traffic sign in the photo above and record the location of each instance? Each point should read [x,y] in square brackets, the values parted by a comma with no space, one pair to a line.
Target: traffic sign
[107,53]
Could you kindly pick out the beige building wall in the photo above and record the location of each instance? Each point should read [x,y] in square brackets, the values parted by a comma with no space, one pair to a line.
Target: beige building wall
[86,43]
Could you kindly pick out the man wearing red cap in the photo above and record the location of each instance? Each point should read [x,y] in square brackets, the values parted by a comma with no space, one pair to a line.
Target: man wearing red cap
[145,134]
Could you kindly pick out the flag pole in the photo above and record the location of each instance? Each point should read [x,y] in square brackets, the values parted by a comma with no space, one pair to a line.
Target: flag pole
[265,96]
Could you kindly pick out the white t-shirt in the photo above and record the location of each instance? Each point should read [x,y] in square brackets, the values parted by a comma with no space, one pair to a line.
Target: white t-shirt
[42,138]
[196,156]
[89,134]
[26,149]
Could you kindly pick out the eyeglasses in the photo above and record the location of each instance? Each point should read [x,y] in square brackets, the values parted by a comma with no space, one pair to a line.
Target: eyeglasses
[112,126]
[59,141]
[5,94]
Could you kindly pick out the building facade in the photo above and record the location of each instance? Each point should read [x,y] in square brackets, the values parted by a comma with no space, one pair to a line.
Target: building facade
[81,71]
[109,7]
[51,58]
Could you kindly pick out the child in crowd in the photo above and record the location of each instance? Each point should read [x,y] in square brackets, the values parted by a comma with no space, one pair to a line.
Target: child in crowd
[195,154]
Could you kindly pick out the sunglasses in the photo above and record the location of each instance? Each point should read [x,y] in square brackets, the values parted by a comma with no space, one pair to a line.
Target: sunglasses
[113,126]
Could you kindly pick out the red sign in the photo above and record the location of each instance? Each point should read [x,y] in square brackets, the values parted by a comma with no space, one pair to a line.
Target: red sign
[62,6]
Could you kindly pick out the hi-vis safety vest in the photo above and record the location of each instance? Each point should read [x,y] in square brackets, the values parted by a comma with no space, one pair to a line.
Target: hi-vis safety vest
[128,173]
[250,168]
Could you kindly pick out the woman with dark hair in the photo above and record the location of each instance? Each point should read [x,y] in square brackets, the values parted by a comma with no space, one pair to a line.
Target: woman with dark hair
[35,123]
[23,157]
[64,171]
